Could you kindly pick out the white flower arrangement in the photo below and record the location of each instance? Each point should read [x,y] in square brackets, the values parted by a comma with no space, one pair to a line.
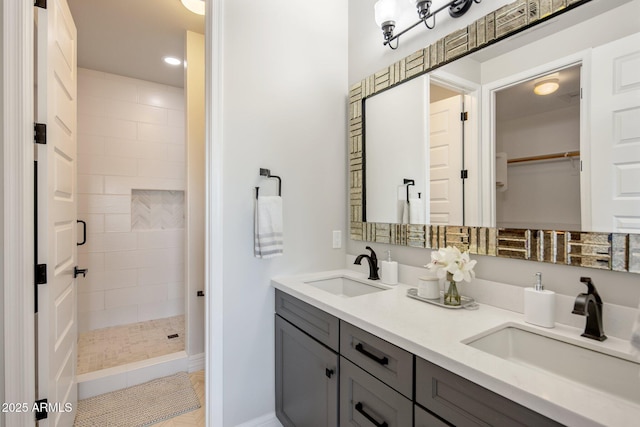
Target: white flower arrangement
[450,261]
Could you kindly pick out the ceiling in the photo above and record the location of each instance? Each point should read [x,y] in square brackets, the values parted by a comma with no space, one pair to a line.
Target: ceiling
[130,37]
[520,101]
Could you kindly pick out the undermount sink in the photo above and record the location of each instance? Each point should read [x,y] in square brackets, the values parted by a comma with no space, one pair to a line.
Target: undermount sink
[346,286]
[608,373]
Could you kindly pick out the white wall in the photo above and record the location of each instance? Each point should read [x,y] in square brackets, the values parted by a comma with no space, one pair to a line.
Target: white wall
[130,136]
[366,52]
[284,107]
[366,56]
[2,106]
[195,127]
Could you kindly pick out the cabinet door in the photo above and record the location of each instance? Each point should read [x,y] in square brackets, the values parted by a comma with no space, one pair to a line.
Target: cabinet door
[367,402]
[306,379]
[426,419]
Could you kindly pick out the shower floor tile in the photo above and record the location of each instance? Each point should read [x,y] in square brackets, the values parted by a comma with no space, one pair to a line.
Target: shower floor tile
[119,345]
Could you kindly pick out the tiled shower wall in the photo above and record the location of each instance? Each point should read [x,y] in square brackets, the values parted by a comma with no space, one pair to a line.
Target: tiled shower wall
[130,137]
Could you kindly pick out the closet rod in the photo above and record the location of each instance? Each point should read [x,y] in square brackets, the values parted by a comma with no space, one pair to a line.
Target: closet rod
[545,157]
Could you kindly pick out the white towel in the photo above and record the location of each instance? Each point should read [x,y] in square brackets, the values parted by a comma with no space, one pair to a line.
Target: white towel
[635,336]
[268,241]
[404,211]
[416,211]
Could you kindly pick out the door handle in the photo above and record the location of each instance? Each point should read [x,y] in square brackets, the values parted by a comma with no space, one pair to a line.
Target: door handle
[78,271]
[84,232]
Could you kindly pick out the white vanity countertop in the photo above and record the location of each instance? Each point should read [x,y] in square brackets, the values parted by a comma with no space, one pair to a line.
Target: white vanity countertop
[436,334]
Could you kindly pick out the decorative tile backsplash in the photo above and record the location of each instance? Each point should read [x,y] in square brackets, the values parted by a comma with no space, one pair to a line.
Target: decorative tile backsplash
[157,209]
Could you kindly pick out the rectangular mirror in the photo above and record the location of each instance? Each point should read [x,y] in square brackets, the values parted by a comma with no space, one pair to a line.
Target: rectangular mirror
[451,138]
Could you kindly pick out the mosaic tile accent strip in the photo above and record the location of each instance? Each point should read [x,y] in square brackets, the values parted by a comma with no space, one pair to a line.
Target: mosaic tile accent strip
[120,345]
[157,209]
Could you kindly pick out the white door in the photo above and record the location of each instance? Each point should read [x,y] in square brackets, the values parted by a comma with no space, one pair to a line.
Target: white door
[615,136]
[56,168]
[445,161]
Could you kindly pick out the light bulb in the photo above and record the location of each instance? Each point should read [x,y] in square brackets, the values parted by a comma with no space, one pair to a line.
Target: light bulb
[195,6]
[546,85]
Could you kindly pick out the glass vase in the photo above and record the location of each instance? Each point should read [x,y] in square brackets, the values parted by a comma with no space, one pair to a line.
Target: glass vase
[451,296]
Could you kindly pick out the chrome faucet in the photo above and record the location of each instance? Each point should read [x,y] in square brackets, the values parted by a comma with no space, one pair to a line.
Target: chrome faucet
[590,305]
[373,264]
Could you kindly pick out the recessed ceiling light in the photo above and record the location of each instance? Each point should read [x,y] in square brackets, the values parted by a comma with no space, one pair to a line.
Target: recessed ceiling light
[195,6]
[171,60]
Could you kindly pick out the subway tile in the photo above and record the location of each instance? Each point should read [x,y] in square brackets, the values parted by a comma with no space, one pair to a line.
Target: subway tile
[87,72]
[162,134]
[94,243]
[90,184]
[92,301]
[176,118]
[93,261]
[123,185]
[176,291]
[161,274]
[95,223]
[114,223]
[121,260]
[90,105]
[161,310]
[103,165]
[136,149]
[88,203]
[116,279]
[91,144]
[161,96]
[120,242]
[161,169]
[99,85]
[108,317]
[120,297]
[132,111]
[154,257]
[177,153]
[152,294]
[102,126]
[157,239]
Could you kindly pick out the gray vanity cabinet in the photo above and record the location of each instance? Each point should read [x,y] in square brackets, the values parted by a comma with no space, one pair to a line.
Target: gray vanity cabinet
[464,403]
[367,402]
[306,364]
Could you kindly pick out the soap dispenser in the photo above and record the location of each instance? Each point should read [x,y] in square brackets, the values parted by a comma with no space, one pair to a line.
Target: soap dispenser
[389,271]
[539,305]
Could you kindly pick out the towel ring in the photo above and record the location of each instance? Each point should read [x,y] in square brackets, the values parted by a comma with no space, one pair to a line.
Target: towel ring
[267,174]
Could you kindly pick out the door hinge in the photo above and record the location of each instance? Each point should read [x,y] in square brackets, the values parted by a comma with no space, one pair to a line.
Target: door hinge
[41,274]
[40,3]
[464,174]
[41,409]
[40,133]
[464,116]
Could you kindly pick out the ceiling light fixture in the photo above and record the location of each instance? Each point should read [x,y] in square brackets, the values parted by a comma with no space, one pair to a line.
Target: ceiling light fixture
[386,13]
[546,85]
[172,61]
[195,6]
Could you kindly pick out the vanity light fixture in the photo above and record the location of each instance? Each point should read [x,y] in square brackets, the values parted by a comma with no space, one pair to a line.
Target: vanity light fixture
[171,60]
[386,13]
[546,85]
[195,6]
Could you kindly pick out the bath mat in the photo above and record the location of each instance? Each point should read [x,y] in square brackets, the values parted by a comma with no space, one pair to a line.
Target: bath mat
[140,405]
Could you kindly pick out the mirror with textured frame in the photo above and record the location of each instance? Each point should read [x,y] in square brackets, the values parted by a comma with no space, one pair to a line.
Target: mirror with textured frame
[574,176]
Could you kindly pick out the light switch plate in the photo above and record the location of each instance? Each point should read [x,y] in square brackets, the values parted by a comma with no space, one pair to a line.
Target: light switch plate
[337,239]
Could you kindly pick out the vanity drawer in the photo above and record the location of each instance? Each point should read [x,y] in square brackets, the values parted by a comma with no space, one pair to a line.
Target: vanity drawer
[464,403]
[366,401]
[422,418]
[383,360]
[320,325]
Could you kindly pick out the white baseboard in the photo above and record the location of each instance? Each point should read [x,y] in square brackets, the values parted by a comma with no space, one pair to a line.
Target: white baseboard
[196,362]
[268,420]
